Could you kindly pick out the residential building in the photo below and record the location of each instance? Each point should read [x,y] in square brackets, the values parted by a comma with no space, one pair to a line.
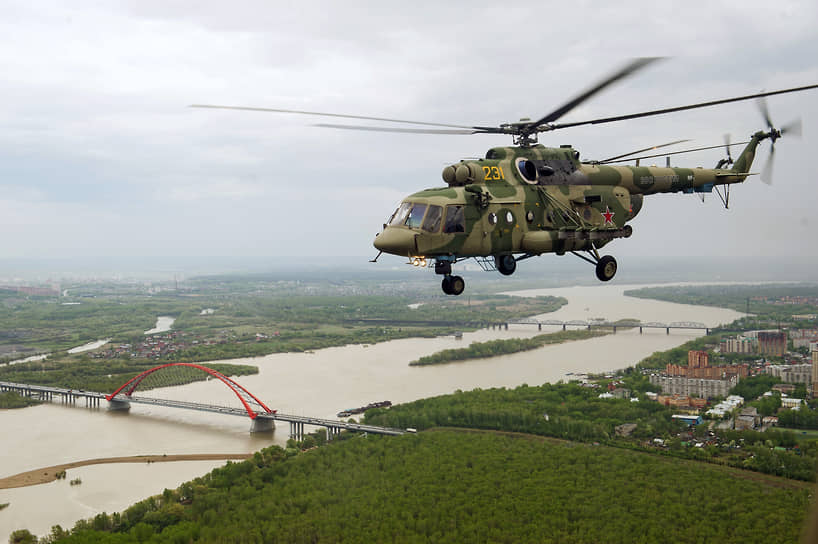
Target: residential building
[772,343]
[792,373]
[698,366]
[739,344]
[786,388]
[697,387]
[791,402]
[814,372]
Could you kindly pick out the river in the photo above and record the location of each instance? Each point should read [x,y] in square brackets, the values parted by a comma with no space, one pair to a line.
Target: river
[315,384]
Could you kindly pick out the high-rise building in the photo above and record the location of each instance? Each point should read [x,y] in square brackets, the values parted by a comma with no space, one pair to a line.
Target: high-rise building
[698,366]
[772,343]
[814,372]
[697,359]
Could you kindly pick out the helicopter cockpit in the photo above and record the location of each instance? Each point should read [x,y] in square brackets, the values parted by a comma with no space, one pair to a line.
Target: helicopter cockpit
[429,217]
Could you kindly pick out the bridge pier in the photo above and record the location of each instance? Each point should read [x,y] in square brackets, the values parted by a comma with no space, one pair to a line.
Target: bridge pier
[539,326]
[262,425]
[563,326]
[707,332]
[296,430]
[333,433]
[667,331]
[640,330]
[119,405]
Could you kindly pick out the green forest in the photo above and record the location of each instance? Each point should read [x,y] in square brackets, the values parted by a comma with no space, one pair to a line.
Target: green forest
[493,348]
[573,412]
[460,486]
[766,300]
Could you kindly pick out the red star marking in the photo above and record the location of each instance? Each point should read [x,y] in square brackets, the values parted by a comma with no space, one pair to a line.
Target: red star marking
[608,215]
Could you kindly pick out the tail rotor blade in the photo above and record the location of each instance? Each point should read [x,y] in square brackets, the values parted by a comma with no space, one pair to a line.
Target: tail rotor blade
[767,172]
[727,147]
[765,112]
[793,128]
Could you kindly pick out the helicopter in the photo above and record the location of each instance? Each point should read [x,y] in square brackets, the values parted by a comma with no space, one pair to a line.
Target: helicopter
[527,199]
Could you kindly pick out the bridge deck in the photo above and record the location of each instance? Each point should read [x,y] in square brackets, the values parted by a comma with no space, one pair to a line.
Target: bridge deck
[28,389]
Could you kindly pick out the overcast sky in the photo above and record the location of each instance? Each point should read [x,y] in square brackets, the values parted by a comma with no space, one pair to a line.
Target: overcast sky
[100,155]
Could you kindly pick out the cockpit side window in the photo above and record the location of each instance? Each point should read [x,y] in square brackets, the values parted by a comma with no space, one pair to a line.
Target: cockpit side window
[455,219]
[400,216]
[433,217]
[415,218]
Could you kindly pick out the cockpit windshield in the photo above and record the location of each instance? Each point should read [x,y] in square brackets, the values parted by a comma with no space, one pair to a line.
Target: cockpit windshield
[415,218]
[411,214]
[399,217]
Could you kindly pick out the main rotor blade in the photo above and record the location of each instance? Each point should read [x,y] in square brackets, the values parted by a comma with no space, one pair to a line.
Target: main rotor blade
[671,153]
[678,108]
[628,69]
[611,159]
[395,129]
[344,116]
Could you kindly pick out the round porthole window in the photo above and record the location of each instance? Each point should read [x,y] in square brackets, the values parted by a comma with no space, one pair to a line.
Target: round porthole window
[509,218]
[529,216]
[492,219]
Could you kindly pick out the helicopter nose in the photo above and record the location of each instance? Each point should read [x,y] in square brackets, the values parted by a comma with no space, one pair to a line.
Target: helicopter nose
[396,241]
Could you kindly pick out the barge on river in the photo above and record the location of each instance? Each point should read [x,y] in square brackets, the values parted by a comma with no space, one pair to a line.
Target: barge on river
[353,411]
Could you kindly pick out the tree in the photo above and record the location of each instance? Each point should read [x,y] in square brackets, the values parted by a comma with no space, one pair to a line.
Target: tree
[22,536]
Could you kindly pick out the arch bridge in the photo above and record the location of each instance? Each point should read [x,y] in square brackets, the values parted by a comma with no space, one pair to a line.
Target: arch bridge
[248,405]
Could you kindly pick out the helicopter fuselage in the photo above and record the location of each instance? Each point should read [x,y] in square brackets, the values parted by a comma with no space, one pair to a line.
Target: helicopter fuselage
[535,200]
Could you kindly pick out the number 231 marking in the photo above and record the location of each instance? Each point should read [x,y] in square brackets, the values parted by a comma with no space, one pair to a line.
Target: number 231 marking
[493,173]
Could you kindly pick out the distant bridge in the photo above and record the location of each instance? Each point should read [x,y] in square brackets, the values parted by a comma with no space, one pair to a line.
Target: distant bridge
[263,418]
[602,323]
[588,324]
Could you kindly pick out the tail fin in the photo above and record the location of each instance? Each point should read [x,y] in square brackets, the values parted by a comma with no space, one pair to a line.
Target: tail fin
[745,160]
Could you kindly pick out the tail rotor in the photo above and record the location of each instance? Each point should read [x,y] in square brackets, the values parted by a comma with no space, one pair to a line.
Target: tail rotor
[793,128]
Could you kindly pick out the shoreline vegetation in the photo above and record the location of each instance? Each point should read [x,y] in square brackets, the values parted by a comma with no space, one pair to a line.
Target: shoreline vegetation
[494,348]
[11,400]
[223,322]
[50,474]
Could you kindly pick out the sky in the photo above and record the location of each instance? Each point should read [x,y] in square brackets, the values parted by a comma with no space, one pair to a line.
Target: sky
[101,156]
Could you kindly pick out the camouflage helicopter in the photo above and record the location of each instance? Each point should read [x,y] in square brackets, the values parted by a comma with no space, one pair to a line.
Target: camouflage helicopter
[525,200]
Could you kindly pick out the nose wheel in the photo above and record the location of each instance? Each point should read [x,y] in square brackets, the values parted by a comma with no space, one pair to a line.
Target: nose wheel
[453,285]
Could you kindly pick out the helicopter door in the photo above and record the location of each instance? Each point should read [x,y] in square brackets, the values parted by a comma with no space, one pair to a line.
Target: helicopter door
[444,229]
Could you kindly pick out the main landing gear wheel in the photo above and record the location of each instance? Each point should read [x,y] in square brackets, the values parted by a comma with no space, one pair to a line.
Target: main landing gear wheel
[606,268]
[453,285]
[506,264]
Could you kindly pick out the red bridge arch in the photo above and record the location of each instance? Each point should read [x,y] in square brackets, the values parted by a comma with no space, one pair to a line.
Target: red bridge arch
[246,397]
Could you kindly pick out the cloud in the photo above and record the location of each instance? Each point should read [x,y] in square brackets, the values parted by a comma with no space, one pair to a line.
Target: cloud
[99,152]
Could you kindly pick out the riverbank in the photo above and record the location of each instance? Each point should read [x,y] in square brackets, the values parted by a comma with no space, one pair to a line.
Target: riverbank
[315,384]
[49,474]
[495,348]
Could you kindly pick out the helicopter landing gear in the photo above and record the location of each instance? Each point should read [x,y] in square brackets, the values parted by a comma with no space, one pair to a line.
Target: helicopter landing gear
[606,268]
[453,285]
[505,264]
